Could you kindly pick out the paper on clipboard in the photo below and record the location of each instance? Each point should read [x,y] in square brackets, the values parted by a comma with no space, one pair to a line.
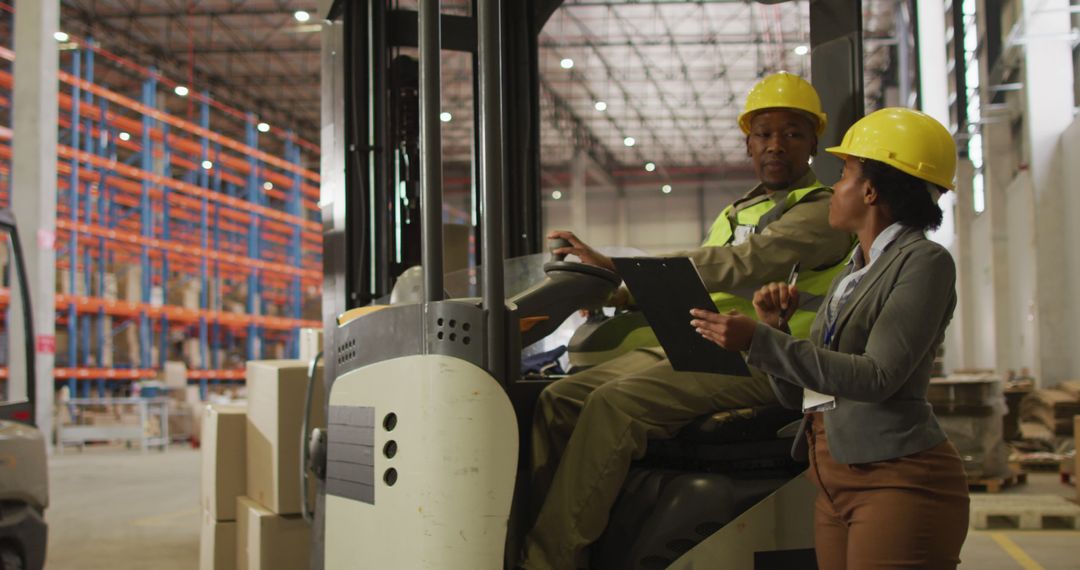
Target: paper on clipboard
[666,288]
[816,402]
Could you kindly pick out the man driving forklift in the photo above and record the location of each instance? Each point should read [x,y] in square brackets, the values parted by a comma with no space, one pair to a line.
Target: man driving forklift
[589,426]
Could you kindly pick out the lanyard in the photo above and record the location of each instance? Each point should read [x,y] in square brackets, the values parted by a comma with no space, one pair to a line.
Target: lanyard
[829,332]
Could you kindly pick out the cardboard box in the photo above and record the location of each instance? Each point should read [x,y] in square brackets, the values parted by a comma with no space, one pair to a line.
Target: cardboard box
[192,352]
[265,541]
[125,345]
[311,343]
[276,391]
[223,452]
[175,374]
[217,544]
[129,283]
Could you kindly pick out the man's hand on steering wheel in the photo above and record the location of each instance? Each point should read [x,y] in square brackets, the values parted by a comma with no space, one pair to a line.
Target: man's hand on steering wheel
[579,248]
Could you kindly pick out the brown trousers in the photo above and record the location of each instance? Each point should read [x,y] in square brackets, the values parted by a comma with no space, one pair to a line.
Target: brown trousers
[908,512]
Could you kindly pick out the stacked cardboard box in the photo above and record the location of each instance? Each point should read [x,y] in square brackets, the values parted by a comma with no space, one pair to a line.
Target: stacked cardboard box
[276,395]
[969,407]
[271,534]
[224,476]
[1053,408]
[265,540]
[184,292]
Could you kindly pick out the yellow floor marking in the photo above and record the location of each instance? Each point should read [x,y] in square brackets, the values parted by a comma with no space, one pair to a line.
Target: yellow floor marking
[1015,551]
[157,520]
[1039,531]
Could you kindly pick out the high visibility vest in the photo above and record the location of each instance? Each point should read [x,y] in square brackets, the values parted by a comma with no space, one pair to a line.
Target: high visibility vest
[813,283]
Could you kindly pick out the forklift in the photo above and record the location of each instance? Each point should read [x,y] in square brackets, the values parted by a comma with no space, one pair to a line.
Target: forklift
[24,490]
[424,462]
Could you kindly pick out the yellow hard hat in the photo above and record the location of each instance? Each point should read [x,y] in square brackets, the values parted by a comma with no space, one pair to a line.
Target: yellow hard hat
[906,140]
[783,91]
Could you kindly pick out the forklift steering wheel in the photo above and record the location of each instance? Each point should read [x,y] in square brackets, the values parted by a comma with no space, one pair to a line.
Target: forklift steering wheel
[590,270]
[559,263]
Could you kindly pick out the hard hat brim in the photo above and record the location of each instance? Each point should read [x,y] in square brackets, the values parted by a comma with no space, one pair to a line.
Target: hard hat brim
[843,153]
[819,121]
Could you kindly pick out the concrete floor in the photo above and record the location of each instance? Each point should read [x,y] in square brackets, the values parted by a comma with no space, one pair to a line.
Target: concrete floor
[116,509]
[113,508]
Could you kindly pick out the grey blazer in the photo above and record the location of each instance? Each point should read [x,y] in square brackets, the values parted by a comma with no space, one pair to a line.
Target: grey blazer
[878,363]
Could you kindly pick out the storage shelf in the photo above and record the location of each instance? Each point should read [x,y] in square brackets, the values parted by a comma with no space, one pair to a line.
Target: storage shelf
[175,239]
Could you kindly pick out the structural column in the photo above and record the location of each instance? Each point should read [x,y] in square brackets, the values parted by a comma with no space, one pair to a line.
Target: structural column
[1048,94]
[34,180]
[954,232]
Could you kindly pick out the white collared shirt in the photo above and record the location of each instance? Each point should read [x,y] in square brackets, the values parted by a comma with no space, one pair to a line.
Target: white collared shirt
[848,284]
[816,401]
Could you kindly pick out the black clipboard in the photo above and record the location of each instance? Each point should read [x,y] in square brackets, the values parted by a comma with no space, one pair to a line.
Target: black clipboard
[666,288]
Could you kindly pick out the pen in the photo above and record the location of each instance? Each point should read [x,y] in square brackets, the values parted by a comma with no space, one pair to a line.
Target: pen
[792,279]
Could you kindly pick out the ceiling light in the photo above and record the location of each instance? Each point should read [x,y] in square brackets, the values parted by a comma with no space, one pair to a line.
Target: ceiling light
[207,165]
[268,185]
[566,63]
[180,90]
[666,188]
[445,117]
[650,166]
[600,106]
[61,37]
[301,16]
[556,195]
[629,141]
[263,127]
[802,49]
[124,136]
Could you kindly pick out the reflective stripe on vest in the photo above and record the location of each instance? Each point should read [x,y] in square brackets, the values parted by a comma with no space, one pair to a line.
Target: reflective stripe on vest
[813,284]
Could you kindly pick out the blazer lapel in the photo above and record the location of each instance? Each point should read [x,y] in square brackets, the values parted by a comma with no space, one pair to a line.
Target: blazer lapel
[875,273]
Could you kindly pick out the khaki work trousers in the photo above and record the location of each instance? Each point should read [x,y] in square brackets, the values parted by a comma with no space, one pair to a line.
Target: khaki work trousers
[589,426]
[908,512]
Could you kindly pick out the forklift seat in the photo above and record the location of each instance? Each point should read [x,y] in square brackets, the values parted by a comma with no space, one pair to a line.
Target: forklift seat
[688,487]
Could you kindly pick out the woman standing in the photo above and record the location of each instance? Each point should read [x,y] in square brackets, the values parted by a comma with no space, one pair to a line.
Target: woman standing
[891,487]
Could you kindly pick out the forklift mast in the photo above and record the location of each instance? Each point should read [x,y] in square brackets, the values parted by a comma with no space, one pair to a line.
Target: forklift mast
[375,155]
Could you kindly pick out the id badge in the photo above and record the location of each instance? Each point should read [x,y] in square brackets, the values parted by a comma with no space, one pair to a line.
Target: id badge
[816,402]
[743,233]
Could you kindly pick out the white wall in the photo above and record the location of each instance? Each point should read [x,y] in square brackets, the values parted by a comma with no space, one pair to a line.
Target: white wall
[1020,337]
[655,222]
[1070,176]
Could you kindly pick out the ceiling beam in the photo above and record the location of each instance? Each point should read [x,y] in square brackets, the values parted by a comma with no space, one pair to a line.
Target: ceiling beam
[241,50]
[84,21]
[207,12]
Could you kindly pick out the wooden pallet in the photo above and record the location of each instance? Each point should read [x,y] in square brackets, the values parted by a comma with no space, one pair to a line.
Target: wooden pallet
[1023,512]
[996,484]
[1039,465]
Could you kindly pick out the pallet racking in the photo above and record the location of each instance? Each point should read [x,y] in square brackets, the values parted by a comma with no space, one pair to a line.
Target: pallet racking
[174,240]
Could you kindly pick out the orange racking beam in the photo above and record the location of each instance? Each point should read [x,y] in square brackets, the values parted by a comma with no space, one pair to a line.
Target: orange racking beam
[310,279]
[179,314]
[136,239]
[104,373]
[236,209]
[192,128]
[134,127]
[66,152]
[224,374]
[313,239]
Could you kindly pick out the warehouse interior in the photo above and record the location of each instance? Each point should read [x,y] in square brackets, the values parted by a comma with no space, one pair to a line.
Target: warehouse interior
[201,199]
